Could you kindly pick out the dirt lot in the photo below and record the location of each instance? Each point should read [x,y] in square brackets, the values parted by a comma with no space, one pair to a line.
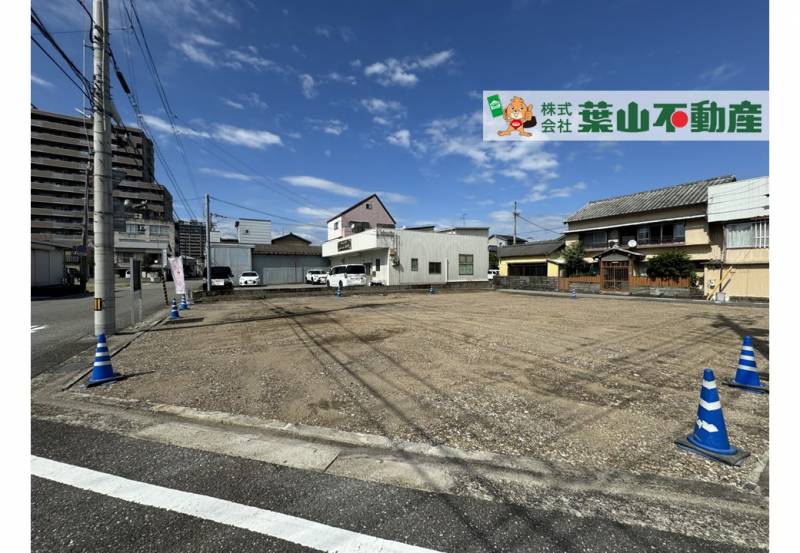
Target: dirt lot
[591,382]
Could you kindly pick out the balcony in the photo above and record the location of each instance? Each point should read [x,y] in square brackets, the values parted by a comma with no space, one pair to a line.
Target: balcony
[649,236]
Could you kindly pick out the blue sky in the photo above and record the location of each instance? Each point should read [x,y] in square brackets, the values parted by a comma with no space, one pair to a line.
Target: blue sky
[301,109]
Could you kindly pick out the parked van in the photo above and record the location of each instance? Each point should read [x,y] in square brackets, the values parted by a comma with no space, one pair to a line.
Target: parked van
[221,277]
[347,275]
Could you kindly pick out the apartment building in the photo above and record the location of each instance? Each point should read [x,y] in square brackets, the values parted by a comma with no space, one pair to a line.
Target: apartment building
[190,238]
[60,147]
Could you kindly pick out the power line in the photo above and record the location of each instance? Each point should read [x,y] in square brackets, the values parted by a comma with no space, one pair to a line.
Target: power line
[274,216]
[64,71]
[133,99]
[150,62]
[556,231]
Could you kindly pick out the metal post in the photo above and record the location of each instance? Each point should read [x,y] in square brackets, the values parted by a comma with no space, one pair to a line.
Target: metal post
[514,239]
[104,306]
[208,243]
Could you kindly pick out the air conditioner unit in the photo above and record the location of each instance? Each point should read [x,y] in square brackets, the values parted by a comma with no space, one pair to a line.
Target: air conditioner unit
[612,243]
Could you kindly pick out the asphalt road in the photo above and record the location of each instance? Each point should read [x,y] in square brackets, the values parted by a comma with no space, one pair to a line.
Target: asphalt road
[67,518]
[63,327]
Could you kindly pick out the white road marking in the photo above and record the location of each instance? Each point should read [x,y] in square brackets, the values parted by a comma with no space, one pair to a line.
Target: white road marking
[285,527]
[37,328]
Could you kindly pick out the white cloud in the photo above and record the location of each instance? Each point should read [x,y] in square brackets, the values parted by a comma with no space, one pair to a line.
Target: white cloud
[40,81]
[580,80]
[332,126]
[339,189]
[307,85]
[400,138]
[392,71]
[249,138]
[196,54]
[394,197]
[225,174]
[435,60]
[346,34]
[246,137]
[238,59]
[461,136]
[376,106]
[159,125]
[319,213]
[203,40]
[721,73]
[544,191]
[323,184]
[249,99]
[339,78]
[231,103]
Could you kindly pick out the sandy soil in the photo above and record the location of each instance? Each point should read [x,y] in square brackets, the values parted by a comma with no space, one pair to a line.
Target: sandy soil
[591,382]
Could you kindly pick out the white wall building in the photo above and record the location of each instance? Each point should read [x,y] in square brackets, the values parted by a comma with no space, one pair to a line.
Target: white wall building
[254,231]
[405,256]
[239,257]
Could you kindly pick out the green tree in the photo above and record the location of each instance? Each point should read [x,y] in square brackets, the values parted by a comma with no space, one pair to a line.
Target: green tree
[671,264]
[573,258]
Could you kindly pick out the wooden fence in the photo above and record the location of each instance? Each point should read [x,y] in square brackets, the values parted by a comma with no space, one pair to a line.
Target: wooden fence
[633,282]
[636,281]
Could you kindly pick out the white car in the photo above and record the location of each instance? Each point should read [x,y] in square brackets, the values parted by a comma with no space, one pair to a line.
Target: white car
[249,278]
[316,277]
[347,275]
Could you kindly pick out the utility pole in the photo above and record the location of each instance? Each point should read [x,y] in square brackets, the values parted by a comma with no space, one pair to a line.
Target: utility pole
[514,239]
[208,243]
[104,307]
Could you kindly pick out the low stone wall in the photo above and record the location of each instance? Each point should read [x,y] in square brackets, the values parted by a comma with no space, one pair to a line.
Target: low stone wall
[264,293]
[527,283]
[666,292]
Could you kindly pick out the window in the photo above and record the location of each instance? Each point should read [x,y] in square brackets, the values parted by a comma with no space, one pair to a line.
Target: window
[597,239]
[435,268]
[356,270]
[368,206]
[754,234]
[414,264]
[643,235]
[133,228]
[160,230]
[465,265]
[679,232]
[336,225]
[359,226]
[377,264]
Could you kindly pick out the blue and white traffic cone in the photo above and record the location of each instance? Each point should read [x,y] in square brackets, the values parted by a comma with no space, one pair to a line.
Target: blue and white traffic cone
[430,290]
[184,305]
[710,437]
[573,293]
[339,291]
[173,314]
[102,371]
[747,372]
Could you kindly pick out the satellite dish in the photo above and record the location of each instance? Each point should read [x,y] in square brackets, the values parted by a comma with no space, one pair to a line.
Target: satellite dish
[632,243]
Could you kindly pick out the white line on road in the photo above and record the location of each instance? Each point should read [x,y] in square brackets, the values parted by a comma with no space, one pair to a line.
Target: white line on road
[37,328]
[285,527]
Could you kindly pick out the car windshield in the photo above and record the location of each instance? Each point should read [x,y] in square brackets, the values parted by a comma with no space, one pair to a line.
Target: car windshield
[220,272]
[249,274]
[356,269]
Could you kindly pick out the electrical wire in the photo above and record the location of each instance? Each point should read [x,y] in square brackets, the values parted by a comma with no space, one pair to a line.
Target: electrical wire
[556,231]
[274,216]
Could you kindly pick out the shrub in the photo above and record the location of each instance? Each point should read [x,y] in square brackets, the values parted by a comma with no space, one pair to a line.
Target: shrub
[672,264]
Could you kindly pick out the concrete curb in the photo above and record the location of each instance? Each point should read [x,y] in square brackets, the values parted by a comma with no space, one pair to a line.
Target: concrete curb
[690,507]
[513,467]
[632,298]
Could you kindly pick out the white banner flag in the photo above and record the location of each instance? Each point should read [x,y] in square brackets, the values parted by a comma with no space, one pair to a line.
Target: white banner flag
[176,266]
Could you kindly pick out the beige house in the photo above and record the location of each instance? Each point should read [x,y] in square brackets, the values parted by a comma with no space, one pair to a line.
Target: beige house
[541,258]
[620,234]
[738,219]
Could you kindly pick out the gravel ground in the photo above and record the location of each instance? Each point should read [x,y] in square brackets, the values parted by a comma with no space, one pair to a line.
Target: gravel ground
[592,382]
